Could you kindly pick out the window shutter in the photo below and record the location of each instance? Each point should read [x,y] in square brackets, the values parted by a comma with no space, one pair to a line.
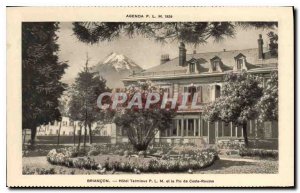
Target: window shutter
[199,90]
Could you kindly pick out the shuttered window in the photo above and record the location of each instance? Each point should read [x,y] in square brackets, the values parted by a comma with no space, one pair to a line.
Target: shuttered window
[199,90]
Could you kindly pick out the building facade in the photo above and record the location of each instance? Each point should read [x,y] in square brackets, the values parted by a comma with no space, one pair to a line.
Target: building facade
[68,127]
[204,73]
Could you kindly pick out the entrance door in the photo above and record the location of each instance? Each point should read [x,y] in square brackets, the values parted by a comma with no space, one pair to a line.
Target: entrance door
[212,133]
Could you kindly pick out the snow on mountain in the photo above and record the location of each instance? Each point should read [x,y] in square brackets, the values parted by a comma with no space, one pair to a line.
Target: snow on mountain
[115,67]
[119,61]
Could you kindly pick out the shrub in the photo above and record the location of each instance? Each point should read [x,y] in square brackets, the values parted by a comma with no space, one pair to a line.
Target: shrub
[38,171]
[93,153]
[262,153]
[142,154]
[126,153]
[230,144]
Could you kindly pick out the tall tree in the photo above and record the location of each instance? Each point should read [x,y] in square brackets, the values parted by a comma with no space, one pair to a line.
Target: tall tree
[194,33]
[83,104]
[58,134]
[142,124]
[237,104]
[268,103]
[63,109]
[273,45]
[41,74]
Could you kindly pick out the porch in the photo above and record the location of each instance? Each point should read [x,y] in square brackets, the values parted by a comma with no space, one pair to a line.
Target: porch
[194,129]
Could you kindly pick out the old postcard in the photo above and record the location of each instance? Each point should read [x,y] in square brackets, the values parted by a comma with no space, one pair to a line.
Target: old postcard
[150,97]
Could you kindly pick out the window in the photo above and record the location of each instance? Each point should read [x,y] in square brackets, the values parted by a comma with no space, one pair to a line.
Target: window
[179,127]
[218,91]
[214,65]
[199,90]
[71,123]
[64,133]
[226,129]
[204,127]
[190,127]
[239,63]
[167,89]
[240,60]
[191,90]
[192,67]
[197,127]
[174,128]
[184,127]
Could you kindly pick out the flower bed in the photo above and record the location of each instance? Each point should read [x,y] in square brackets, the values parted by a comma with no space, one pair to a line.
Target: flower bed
[46,171]
[42,150]
[230,144]
[38,171]
[104,149]
[262,153]
[182,163]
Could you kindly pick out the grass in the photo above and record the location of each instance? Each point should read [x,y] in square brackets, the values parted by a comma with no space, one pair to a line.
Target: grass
[225,166]
[242,167]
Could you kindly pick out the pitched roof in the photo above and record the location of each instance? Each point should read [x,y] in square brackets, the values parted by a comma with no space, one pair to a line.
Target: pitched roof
[227,61]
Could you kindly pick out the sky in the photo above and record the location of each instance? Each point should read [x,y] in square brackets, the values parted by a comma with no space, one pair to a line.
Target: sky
[144,52]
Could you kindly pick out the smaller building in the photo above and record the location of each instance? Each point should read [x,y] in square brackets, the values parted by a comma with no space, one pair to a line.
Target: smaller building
[68,127]
[102,133]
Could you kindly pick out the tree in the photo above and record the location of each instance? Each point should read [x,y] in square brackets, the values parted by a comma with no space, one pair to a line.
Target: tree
[63,109]
[83,104]
[194,33]
[142,124]
[58,134]
[268,103]
[237,104]
[41,74]
[273,45]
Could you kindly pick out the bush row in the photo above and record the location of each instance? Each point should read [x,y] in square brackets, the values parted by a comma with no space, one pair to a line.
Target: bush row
[45,171]
[203,159]
[38,171]
[262,153]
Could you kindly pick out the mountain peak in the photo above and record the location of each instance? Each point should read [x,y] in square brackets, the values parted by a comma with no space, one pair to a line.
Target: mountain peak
[119,61]
[114,67]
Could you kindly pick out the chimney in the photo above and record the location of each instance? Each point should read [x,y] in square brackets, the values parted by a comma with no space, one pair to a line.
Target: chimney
[164,58]
[260,47]
[182,54]
[224,50]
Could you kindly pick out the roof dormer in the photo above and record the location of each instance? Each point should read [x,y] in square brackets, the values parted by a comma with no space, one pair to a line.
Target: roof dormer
[215,64]
[240,62]
[192,66]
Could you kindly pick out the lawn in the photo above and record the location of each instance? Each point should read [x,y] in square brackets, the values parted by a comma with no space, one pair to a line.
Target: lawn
[225,165]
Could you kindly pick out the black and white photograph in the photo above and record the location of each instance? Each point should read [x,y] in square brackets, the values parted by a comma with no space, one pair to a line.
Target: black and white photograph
[142,99]
[224,89]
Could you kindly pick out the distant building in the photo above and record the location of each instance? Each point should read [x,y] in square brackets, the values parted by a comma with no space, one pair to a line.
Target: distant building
[68,126]
[204,73]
